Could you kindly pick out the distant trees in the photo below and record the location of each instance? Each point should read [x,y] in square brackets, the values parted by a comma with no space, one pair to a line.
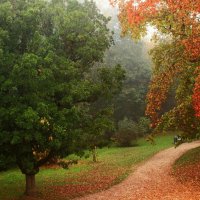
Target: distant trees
[134,58]
[129,104]
[126,133]
[47,51]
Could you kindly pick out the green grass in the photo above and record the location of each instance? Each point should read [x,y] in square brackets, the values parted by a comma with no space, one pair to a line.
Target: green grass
[190,157]
[115,162]
[127,156]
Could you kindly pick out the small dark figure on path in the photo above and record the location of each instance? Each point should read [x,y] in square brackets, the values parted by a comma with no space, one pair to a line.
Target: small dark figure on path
[177,138]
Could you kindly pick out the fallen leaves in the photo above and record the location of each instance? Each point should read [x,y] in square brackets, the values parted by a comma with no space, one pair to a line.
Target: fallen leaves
[189,175]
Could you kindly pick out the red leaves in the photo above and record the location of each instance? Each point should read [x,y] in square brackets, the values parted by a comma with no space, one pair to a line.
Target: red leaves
[158,93]
[196,94]
[139,11]
[91,183]
[189,175]
[192,47]
[99,178]
[135,14]
[180,20]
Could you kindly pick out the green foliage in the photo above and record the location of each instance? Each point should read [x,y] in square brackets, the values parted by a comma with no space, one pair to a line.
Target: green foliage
[65,164]
[47,50]
[6,162]
[182,115]
[126,133]
[143,126]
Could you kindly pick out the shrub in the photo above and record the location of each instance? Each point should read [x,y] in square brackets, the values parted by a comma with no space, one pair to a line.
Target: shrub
[66,163]
[143,126]
[126,133]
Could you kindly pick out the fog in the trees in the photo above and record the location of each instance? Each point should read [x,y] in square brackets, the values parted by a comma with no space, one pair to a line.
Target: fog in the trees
[133,56]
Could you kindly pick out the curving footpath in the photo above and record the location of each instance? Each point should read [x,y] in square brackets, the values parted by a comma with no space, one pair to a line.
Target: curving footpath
[152,180]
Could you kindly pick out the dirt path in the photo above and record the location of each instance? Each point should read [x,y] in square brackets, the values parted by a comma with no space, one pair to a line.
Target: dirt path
[152,181]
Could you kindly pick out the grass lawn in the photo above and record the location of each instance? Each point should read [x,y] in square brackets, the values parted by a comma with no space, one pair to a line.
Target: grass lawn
[113,165]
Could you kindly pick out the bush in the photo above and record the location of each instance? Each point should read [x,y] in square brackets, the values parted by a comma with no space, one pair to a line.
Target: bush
[66,163]
[143,126]
[126,133]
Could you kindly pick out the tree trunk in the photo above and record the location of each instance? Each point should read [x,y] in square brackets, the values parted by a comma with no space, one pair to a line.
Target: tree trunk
[94,154]
[30,185]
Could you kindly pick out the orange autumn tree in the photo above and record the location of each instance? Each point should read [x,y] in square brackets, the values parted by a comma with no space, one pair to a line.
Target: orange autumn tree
[176,57]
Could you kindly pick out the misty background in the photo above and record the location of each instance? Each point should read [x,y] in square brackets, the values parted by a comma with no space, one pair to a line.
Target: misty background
[134,57]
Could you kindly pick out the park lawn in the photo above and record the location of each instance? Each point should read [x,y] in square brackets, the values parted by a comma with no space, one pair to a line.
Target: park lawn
[186,169]
[114,164]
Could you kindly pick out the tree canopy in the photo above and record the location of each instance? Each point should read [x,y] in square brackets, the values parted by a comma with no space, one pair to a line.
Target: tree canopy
[47,51]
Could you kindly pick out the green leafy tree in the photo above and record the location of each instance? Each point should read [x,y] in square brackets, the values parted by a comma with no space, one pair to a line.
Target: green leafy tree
[98,125]
[47,50]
